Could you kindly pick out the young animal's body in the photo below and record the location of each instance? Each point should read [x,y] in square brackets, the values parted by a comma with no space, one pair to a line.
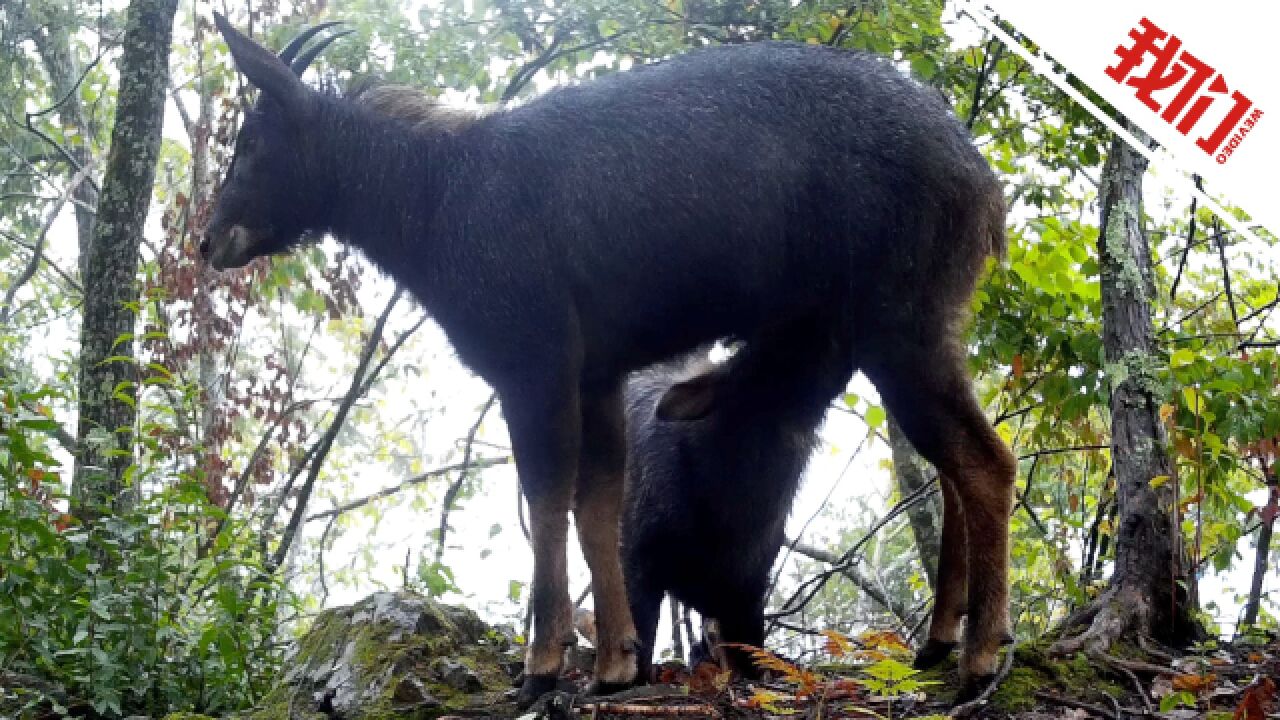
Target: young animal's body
[601,228]
[707,499]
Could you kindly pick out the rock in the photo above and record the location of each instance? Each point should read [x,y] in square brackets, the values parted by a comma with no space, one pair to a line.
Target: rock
[456,675]
[394,655]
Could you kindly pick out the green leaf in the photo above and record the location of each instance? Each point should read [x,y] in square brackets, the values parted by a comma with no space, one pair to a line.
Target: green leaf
[875,417]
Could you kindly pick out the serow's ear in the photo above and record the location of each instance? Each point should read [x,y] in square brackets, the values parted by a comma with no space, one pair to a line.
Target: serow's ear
[266,71]
[688,400]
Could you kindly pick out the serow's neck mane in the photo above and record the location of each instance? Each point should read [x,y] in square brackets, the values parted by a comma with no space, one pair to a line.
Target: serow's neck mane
[375,176]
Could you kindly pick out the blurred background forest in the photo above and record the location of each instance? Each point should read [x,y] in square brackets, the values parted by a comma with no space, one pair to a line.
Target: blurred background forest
[193,464]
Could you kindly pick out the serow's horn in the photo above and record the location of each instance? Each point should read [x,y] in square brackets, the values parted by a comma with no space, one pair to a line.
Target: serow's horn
[286,55]
[300,65]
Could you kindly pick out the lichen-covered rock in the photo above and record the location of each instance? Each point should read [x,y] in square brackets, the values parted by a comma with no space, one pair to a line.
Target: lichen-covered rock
[394,655]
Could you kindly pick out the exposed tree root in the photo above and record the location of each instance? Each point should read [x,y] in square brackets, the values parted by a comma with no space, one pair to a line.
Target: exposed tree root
[1117,614]
[976,704]
[1117,664]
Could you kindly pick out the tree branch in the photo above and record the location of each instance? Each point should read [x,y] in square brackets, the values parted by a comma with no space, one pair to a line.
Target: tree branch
[37,249]
[896,607]
[322,447]
[451,495]
[479,464]
[1191,238]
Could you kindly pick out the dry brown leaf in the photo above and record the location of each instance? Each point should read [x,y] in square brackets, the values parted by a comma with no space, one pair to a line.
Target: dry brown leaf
[1194,684]
[1257,699]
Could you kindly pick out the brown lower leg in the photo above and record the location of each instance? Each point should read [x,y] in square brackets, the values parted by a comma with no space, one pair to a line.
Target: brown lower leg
[952,593]
[598,513]
[987,495]
[932,397]
[552,611]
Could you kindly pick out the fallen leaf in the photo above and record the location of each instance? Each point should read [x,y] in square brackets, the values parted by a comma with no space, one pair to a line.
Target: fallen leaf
[1257,699]
[1196,684]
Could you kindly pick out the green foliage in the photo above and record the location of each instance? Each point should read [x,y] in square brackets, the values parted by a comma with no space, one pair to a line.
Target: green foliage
[134,614]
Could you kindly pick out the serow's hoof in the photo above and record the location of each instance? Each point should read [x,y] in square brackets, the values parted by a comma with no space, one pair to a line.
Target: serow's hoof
[597,688]
[534,687]
[973,687]
[933,652]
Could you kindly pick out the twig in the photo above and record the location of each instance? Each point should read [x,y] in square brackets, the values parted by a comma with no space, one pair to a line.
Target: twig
[976,704]
[415,480]
[1076,704]
[322,447]
[1226,275]
[862,582]
[324,536]
[1060,450]
[809,588]
[1117,664]
[1191,237]
[37,250]
[607,708]
[464,472]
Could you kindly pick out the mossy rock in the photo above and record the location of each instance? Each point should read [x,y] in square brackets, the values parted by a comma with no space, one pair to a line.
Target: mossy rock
[393,655]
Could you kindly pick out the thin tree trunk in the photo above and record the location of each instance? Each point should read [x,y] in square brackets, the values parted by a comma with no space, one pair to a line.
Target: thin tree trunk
[52,42]
[1261,562]
[911,472]
[1151,591]
[108,390]
[677,644]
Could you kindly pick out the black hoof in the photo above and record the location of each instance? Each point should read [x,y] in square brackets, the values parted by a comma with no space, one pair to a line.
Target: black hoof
[974,687]
[933,652]
[597,689]
[534,687]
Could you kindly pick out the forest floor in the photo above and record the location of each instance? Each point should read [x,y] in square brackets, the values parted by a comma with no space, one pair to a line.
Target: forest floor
[1219,681]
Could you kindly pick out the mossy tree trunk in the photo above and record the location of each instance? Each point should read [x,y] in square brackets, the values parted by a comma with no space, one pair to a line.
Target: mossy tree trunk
[1152,590]
[108,389]
[911,472]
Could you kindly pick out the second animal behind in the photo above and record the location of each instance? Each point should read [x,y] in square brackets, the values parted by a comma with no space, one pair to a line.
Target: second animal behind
[715,455]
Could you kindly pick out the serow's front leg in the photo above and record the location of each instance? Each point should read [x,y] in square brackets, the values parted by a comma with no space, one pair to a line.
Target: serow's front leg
[544,423]
[598,514]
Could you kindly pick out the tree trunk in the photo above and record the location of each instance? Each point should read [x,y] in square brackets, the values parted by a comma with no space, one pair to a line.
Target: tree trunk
[1261,563]
[911,472]
[49,28]
[108,390]
[1151,591]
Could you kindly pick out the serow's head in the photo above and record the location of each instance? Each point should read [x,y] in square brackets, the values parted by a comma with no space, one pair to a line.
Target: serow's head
[265,206]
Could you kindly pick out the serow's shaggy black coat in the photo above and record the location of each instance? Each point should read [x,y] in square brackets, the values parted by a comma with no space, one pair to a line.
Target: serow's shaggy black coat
[734,191]
[707,499]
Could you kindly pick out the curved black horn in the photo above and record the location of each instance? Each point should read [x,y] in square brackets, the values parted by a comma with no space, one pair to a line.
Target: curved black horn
[286,55]
[304,60]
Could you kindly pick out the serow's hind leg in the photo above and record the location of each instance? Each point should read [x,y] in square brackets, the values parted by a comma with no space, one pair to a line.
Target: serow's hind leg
[745,628]
[951,595]
[930,393]
[598,515]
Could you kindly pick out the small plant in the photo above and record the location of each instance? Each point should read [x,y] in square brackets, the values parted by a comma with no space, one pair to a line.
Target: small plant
[141,610]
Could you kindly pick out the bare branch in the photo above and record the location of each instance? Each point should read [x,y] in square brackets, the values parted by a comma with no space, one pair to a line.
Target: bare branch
[322,447]
[896,607]
[451,495]
[479,464]
[37,250]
